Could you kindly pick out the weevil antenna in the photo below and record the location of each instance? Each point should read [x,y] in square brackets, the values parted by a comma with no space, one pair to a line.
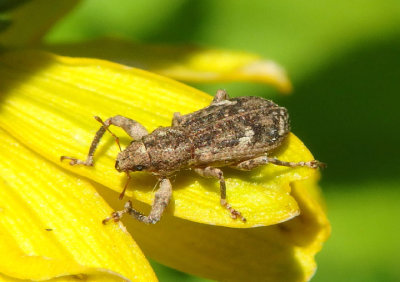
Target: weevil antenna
[121,196]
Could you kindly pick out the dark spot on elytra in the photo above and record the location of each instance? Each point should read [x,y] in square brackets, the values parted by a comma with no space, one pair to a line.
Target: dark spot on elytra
[227,143]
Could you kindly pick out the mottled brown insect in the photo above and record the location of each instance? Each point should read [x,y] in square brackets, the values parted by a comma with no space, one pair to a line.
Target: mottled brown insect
[236,132]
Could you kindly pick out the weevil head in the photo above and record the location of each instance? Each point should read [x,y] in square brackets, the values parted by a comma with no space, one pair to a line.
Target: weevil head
[133,158]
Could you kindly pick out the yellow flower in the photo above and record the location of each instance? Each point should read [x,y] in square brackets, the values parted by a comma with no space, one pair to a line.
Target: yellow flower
[51,212]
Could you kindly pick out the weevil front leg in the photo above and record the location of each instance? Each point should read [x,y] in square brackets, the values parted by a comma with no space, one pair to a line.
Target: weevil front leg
[263,160]
[131,127]
[161,200]
[213,172]
[221,95]
[176,119]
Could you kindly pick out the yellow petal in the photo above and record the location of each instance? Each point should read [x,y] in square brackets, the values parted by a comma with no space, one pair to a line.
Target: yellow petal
[50,224]
[183,62]
[282,252]
[311,229]
[31,20]
[49,107]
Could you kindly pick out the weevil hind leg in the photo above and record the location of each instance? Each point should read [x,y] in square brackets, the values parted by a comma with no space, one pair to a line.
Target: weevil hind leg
[213,172]
[161,200]
[263,160]
[250,164]
[131,127]
[310,164]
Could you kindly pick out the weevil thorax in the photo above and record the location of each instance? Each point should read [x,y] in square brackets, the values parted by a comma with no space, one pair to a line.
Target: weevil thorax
[133,158]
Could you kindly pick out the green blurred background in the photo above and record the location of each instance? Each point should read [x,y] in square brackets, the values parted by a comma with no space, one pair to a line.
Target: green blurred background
[344,60]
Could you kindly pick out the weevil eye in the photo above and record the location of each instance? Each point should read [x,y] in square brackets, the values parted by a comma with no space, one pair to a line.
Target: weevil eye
[139,167]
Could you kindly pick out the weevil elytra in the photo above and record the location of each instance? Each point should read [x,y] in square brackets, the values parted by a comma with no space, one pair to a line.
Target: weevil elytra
[237,133]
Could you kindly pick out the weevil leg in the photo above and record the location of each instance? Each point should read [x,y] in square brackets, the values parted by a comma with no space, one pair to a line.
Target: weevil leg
[212,172]
[221,95]
[310,164]
[131,127]
[161,200]
[250,164]
[176,119]
[263,160]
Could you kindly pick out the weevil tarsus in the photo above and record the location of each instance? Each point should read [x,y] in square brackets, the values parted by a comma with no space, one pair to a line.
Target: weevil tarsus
[160,202]
[213,172]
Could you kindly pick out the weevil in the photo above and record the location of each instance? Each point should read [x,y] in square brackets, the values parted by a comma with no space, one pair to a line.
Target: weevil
[237,133]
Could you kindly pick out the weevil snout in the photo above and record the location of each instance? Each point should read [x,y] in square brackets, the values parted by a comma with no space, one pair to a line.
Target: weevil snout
[133,158]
